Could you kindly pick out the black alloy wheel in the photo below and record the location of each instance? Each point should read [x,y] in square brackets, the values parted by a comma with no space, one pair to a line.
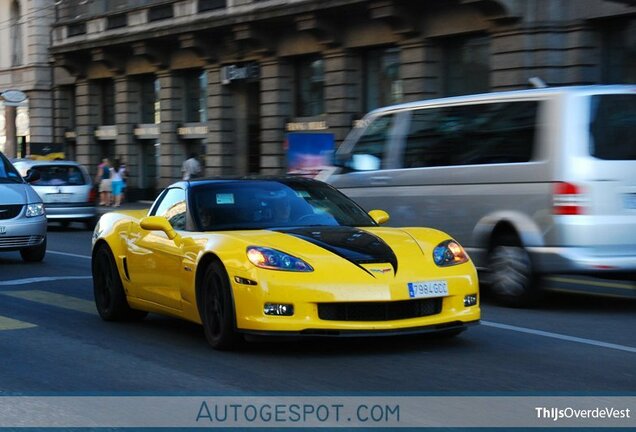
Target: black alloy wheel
[108,290]
[217,308]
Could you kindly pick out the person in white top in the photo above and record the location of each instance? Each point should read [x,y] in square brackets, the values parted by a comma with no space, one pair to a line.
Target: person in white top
[191,167]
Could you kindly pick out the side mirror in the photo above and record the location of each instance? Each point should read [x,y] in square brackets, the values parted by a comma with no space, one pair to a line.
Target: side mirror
[379,216]
[32,176]
[158,223]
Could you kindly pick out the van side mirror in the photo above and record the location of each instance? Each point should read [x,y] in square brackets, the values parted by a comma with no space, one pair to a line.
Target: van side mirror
[158,223]
[32,176]
[379,216]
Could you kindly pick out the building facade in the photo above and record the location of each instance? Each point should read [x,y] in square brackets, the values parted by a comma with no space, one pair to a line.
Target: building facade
[150,81]
[25,35]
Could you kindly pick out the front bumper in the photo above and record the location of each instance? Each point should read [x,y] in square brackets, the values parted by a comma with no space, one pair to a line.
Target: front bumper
[22,232]
[306,298]
[318,333]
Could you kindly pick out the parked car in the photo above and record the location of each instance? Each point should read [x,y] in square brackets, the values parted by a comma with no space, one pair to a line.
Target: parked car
[66,189]
[22,215]
[531,182]
[280,256]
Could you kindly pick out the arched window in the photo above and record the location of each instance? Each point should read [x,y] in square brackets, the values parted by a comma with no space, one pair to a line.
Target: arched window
[16,34]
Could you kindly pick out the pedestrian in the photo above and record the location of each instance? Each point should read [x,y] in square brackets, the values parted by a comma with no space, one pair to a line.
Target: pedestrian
[191,167]
[102,179]
[117,181]
[124,178]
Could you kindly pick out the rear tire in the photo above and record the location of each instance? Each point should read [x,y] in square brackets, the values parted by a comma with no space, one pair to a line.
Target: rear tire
[34,253]
[217,308]
[108,290]
[511,279]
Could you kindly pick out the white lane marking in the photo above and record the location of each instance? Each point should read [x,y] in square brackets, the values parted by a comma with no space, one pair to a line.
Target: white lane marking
[68,254]
[55,299]
[41,279]
[12,324]
[560,336]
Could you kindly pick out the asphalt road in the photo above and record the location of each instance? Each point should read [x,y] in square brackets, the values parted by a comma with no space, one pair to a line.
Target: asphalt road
[52,341]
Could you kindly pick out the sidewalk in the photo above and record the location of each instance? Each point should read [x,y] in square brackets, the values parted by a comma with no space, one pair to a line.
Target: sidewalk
[134,205]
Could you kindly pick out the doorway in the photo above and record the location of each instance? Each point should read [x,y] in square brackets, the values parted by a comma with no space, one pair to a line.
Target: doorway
[149,152]
[247,127]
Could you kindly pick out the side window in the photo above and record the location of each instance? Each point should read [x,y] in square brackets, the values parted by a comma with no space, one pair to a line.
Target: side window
[368,152]
[491,133]
[173,208]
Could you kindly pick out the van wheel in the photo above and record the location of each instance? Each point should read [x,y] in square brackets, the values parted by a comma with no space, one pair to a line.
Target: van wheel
[511,280]
[34,253]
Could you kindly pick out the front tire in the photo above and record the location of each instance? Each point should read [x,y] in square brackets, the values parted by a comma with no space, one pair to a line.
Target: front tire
[217,308]
[34,253]
[108,290]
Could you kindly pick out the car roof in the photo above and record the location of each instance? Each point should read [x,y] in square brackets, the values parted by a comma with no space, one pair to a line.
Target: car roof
[34,162]
[496,95]
[246,179]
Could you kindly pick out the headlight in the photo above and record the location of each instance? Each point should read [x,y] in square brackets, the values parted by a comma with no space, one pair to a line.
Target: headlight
[449,253]
[276,260]
[36,209]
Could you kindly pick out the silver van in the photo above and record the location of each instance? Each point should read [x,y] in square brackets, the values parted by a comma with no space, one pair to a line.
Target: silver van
[22,215]
[531,182]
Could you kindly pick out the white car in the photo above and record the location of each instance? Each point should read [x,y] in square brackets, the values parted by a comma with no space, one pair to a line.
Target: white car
[65,188]
[22,215]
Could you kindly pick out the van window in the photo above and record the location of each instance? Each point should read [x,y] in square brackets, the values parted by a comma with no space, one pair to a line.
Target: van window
[368,153]
[489,133]
[612,126]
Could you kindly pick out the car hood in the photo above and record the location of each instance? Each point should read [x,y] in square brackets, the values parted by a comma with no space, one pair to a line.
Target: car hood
[363,247]
[17,193]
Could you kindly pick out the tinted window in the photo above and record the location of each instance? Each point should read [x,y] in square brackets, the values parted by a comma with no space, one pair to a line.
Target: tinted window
[368,153]
[173,207]
[471,134]
[8,174]
[612,126]
[272,204]
[59,175]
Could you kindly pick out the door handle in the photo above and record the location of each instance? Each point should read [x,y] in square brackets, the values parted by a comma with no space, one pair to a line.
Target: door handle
[380,180]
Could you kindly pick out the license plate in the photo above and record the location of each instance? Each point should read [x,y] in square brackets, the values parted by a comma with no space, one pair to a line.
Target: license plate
[630,201]
[437,288]
[57,198]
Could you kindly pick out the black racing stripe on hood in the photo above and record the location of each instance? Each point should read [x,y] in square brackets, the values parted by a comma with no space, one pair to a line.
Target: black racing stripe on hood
[352,244]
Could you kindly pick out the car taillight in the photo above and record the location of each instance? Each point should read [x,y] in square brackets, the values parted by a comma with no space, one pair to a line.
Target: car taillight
[568,199]
[92,196]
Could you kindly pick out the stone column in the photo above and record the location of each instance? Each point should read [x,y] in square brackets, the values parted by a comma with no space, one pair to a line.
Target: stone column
[171,148]
[86,120]
[342,87]
[41,117]
[126,117]
[10,146]
[220,155]
[420,70]
[276,110]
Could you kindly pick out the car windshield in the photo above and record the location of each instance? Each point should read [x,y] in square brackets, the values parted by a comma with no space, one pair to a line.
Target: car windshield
[59,175]
[8,173]
[265,204]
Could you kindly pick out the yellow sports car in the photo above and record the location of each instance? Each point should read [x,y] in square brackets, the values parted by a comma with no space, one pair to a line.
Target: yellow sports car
[279,256]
